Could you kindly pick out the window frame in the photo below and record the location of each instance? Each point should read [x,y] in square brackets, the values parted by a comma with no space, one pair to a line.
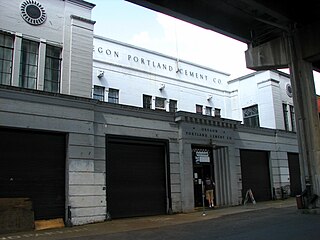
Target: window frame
[252,118]
[173,105]
[162,102]
[285,116]
[199,109]
[208,111]
[6,58]
[27,79]
[113,98]
[217,112]
[146,101]
[55,71]
[96,94]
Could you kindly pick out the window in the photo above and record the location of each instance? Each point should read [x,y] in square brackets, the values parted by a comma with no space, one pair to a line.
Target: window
[285,116]
[6,56]
[251,116]
[147,101]
[52,69]
[173,105]
[293,119]
[160,103]
[113,96]
[217,112]
[28,64]
[98,93]
[199,109]
[209,111]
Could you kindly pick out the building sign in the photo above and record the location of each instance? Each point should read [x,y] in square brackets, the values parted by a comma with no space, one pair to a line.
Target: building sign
[206,132]
[202,157]
[143,60]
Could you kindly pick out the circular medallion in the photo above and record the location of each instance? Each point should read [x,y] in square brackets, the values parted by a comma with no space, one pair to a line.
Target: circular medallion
[289,90]
[33,12]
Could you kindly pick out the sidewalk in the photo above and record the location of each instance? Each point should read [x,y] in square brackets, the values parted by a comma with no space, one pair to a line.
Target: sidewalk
[139,223]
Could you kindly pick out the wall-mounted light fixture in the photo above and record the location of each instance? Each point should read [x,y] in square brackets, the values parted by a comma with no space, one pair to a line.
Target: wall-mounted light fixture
[100,74]
[162,86]
[209,98]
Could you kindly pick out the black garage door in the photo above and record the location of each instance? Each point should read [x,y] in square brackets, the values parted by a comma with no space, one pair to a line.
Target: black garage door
[136,178]
[256,174]
[295,176]
[32,165]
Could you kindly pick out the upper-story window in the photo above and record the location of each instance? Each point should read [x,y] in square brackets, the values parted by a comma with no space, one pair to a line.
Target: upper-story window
[217,112]
[147,101]
[293,119]
[209,111]
[160,103]
[6,57]
[285,116]
[98,93]
[29,64]
[173,105]
[199,109]
[251,116]
[113,95]
[52,69]
[289,117]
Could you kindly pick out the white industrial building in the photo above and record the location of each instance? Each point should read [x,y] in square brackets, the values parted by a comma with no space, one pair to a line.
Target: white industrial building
[129,75]
[155,126]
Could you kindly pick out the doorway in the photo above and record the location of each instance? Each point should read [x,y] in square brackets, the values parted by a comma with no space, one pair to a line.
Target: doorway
[255,171]
[32,165]
[137,171]
[295,175]
[202,167]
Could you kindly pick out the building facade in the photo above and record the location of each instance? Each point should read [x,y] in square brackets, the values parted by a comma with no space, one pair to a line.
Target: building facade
[129,75]
[79,129]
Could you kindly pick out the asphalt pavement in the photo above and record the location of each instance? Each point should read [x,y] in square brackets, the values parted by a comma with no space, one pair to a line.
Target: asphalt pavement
[143,223]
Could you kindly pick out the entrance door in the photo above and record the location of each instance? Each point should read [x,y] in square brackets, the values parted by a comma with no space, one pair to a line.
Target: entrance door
[202,167]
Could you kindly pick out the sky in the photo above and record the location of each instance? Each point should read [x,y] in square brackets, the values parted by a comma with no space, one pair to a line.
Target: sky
[142,27]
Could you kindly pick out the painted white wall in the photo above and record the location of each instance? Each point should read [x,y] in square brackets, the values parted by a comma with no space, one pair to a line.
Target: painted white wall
[62,29]
[135,71]
[267,89]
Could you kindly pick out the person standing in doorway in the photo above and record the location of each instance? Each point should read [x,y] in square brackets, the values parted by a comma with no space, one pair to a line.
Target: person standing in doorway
[209,188]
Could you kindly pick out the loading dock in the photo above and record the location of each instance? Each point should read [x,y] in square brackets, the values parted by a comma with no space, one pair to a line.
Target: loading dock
[32,165]
[137,171]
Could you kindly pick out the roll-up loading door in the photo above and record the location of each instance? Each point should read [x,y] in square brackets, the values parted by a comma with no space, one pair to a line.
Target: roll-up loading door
[32,165]
[256,174]
[295,174]
[136,177]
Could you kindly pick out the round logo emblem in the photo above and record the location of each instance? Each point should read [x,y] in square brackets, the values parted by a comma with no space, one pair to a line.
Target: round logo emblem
[33,12]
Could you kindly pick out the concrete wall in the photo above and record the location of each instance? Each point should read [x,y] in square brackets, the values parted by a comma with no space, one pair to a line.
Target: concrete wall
[86,123]
[277,143]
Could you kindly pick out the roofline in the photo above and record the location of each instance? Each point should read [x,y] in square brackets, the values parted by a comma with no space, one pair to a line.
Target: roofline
[159,54]
[258,72]
[82,3]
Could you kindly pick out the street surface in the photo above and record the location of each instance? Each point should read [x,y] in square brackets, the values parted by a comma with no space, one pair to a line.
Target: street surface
[281,223]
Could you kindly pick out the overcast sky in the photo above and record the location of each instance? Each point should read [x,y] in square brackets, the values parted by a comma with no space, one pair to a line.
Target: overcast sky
[130,23]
